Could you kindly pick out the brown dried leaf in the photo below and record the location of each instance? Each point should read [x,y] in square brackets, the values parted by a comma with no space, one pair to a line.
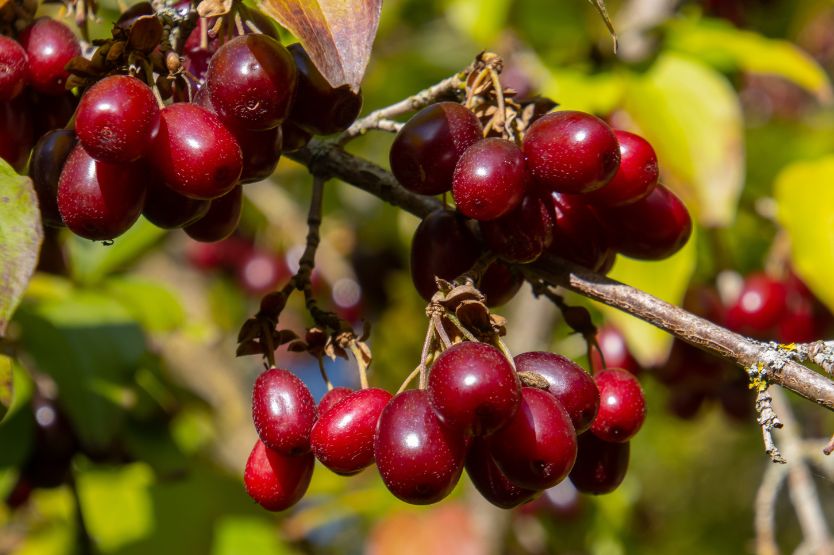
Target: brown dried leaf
[145,34]
[251,347]
[499,324]
[474,315]
[337,34]
[462,293]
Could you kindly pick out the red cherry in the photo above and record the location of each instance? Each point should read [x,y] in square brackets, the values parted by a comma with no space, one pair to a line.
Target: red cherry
[48,158]
[523,234]
[14,68]
[16,133]
[49,45]
[170,210]
[260,272]
[277,481]
[615,350]
[221,219]
[600,465]
[261,151]
[490,481]
[622,407]
[578,235]
[332,398]
[759,307]
[500,283]
[489,180]
[636,176]
[283,411]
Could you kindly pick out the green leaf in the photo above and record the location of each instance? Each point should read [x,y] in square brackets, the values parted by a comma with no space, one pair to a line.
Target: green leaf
[729,48]
[337,34]
[691,115]
[151,304]
[481,20]
[21,236]
[6,386]
[806,211]
[665,279]
[238,534]
[574,89]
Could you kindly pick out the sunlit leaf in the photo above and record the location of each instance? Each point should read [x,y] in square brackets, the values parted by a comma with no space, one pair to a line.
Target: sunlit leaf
[806,210]
[481,20]
[727,47]
[21,235]
[574,89]
[238,534]
[152,304]
[691,115]
[337,34]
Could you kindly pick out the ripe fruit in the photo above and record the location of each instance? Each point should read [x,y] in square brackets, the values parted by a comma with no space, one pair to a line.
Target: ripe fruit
[523,234]
[653,228]
[16,134]
[97,200]
[622,406]
[490,481]
[571,152]
[615,350]
[220,220]
[261,151]
[537,447]
[500,283]
[568,383]
[489,180]
[419,459]
[760,306]
[578,235]
[343,438]
[251,81]
[49,46]
[283,411]
[115,119]
[48,159]
[473,388]
[277,481]
[636,176]
[443,247]
[14,68]
[600,465]
[427,148]
[196,155]
[332,398]
[170,210]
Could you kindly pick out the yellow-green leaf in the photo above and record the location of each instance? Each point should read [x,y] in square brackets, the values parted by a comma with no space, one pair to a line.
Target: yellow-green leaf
[726,47]
[481,20]
[691,115]
[805,202]
[337,34]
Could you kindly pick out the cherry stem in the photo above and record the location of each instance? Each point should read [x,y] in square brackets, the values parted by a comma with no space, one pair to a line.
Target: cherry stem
[324,375]
[360,362]
[424,357]
[454,320]
[441,331]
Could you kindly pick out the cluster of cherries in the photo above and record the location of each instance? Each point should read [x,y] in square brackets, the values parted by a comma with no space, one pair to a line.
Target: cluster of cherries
[573,188]
[475,413]
[182,165]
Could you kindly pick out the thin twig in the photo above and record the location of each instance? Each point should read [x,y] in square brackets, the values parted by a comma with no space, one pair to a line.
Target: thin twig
[765,516]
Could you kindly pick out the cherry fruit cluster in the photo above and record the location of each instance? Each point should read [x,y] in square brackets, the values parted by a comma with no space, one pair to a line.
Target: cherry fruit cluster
[475,413]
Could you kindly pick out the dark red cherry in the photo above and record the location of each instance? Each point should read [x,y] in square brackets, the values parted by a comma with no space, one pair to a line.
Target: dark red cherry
[97,200]
[427,148]
[343,438]
[600,465]
[318,107]
[260,272]
[490,179]
[14,68]
[653,228]
[442,247]
[196,155]
[500,283]
[294,137]
[284,411]
[48,159]
[622,406]
[523,234]
[115,119]
[227,254]
[615,350]
[49,45]
[277,481]
[473,388]
[759,307]
[537,447]
[490,481]
[221,219]
[568,383]
[636,176]
[261,151]
[16,134]
[52,112]
[332,398]
[571,152]
[170,210]
[578,235]
[420,460]
[251,80]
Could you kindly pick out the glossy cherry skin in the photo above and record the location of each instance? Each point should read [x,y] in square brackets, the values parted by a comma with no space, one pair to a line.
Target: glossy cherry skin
[442,247]
[16,133]
[636,176]
[97,200]
[615,350]
[49,46]
[537,447]
[261,151]
[196,155]
[115,119]
[500,283]
[332,398]
[343,437]
[578,234]
[419,459]
[251,80]
[318,107]
[473,388]
[284,412]
[277,481]
[425,151]
[14,68]
[522,235]
[220,220]
[622,406]
[168,209]
[653,228]
[489,180]
[571,152]
[568,383]
[488,479]
[600,465]
[760,306]
[48,159]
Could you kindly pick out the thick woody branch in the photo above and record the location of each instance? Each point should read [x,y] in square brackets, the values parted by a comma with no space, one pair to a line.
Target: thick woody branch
[329,159]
